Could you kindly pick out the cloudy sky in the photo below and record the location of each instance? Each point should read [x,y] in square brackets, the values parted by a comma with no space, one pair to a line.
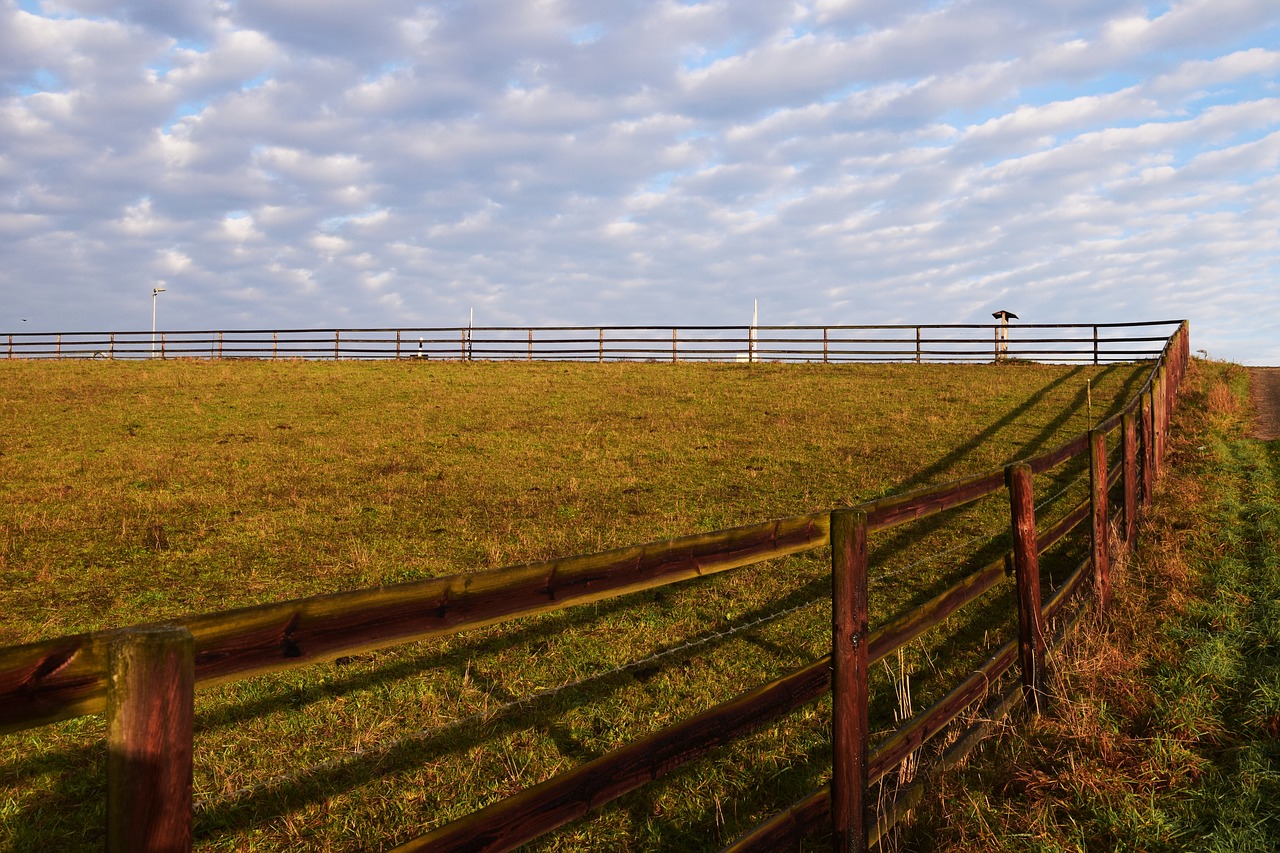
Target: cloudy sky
[388,163]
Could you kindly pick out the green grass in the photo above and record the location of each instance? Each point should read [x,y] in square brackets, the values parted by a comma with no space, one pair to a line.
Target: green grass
[140,491]
[1166,732]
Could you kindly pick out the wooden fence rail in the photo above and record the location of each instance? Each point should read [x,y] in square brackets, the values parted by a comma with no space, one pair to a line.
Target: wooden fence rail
[1097,343]
[76,675]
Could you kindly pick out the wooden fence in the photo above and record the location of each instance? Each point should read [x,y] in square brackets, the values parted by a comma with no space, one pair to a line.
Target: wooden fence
[1098,343]
[144,677]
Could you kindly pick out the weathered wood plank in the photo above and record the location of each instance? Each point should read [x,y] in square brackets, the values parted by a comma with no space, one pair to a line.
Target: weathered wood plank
[906,627]
[898,509]
[1062,527]
[925,726]
[786,829]
[66,677]
[511,822]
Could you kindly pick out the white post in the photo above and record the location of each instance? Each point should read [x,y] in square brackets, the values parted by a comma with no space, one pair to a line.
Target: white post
[755,317]
[155,291]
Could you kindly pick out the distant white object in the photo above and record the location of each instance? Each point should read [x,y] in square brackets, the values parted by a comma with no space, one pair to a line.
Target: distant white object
[1002,334]
[155,291]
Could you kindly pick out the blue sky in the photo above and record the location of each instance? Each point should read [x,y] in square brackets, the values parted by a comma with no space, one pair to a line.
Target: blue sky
[279,163]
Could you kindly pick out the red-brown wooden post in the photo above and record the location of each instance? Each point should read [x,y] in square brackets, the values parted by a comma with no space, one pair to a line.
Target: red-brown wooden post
[1026,563]
[1100,529]
[1148,448]
[1129,439]
[150,697]
[849,806]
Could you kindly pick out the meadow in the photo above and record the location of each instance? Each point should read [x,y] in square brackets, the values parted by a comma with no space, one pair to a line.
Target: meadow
[1165,733]
[135,492]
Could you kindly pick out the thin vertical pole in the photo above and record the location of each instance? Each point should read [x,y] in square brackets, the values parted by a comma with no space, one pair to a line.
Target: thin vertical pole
[1026,563]
[219,345]
[58,351]
[530,358]
[111,347]
[825,335]
[337,336]
[919,353]
[163,342]
[1129,438]
[10,346]
[462,353]
[675,356]
[275,344]
[600,359]
[1095,344]
[1099,528]
[397,344]
[850,724]
[150,700]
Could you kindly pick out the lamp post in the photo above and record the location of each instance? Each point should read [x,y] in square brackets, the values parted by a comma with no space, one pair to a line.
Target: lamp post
[155,291]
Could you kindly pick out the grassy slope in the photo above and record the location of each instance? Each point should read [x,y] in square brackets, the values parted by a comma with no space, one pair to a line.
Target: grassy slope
[138,491]
[1168,733]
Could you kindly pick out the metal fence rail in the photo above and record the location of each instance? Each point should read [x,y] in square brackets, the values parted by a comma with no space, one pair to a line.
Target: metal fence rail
[1096,343]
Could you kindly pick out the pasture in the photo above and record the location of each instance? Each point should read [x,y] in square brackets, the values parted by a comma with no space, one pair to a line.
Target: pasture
[140,491]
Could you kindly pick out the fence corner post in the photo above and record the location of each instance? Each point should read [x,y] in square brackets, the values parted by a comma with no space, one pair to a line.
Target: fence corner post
[850,724]
[1026,564]
[1100,532]
[150,702]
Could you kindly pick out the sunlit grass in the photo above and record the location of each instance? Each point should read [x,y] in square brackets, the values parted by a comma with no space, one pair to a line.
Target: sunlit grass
[1165,730]
[141,491]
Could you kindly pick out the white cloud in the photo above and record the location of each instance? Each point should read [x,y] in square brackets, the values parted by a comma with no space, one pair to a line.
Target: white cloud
[293,164]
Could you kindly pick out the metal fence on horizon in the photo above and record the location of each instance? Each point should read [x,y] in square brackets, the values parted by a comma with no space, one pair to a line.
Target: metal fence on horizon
[1095,343]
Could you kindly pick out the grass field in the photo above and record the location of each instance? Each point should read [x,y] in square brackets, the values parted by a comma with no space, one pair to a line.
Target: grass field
[135,492]
[1166,733]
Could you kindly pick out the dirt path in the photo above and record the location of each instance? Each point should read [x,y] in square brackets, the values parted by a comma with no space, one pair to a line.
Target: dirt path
[1266,400]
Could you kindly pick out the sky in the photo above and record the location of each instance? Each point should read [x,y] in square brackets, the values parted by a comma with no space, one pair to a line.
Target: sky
[390,164]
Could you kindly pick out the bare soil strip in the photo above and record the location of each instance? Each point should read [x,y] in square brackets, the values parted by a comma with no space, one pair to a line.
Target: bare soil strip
[1265,382]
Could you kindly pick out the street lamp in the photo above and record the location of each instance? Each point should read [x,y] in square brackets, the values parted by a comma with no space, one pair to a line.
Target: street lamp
[155,291]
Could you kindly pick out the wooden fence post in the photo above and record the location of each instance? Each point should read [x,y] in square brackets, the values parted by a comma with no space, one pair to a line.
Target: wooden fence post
[150,700]
[1158,424]
[1026,564]
[919,353]
[825,333]
[1095,345]
[675,355]
[162,345]
[1100,528]
[111,347]
[601,358]
[397,344]
[337,337]
[849,740]
[1129,438]
[1148,447]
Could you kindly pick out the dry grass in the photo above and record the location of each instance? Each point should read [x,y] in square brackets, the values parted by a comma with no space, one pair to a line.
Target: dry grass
[1154,740]
[141,491]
